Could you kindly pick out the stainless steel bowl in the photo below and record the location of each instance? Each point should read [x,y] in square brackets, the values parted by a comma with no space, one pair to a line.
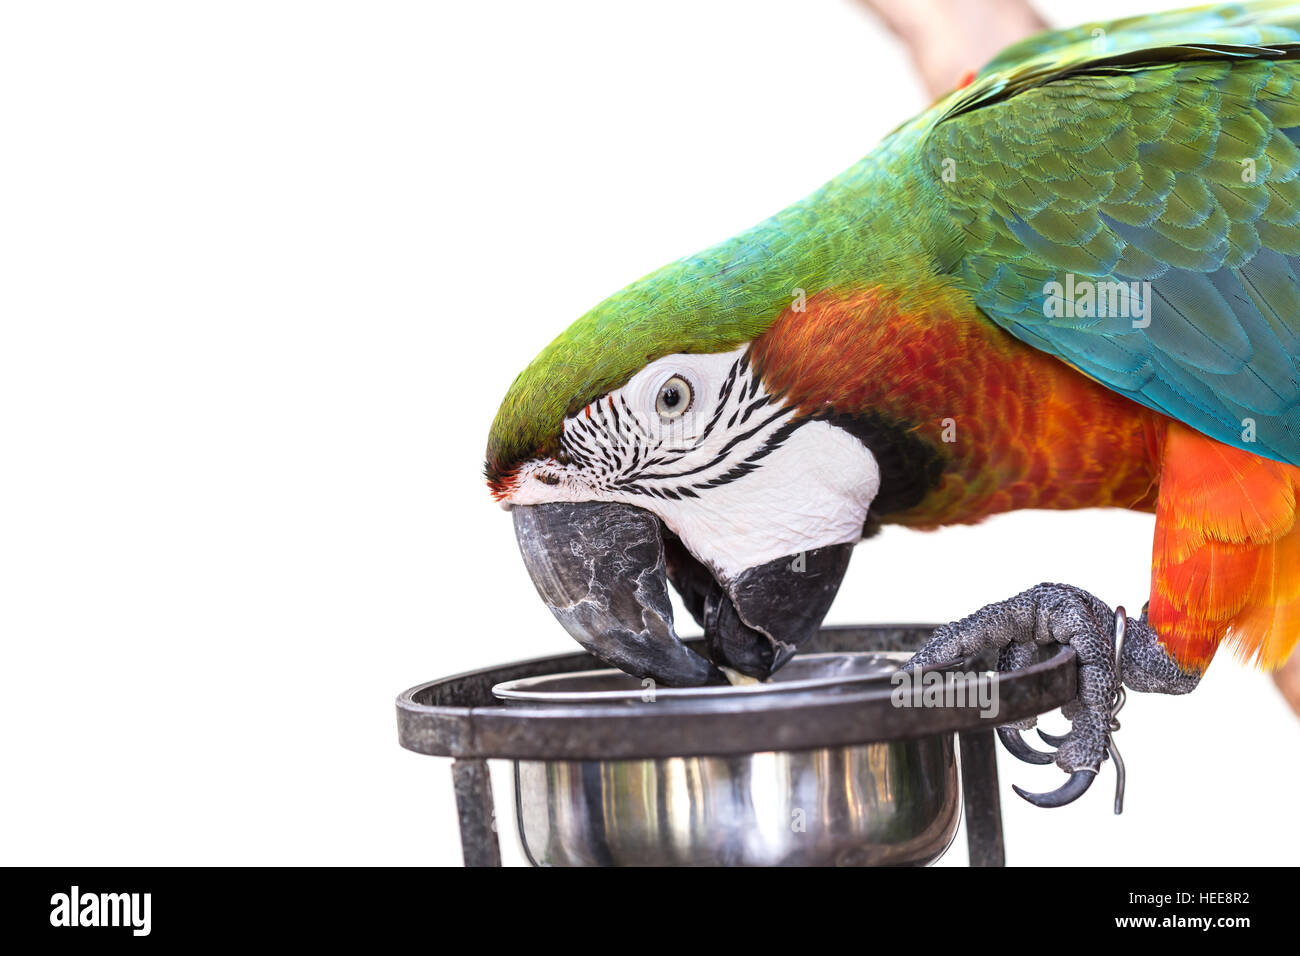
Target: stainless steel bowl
[892,803]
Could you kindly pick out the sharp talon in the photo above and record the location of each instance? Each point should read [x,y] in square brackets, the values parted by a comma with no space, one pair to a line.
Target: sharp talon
[1068,792]
[1052,739]
[932,666]
[1016,745]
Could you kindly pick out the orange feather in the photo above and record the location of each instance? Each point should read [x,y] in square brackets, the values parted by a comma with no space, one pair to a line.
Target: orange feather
[1031,432]
[1226,561]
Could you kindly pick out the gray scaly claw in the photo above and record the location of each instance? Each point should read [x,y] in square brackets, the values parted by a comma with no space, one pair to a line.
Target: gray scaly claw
[1067,792]
[1080,780]
[1057,613]
[1017,747]
[1051,739]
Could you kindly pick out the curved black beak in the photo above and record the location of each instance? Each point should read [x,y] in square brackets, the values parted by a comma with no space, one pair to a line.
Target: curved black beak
[603,570]
[600,569]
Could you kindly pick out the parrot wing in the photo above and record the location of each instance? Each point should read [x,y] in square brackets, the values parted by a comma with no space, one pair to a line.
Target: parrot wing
[1079,158]
[1240,24]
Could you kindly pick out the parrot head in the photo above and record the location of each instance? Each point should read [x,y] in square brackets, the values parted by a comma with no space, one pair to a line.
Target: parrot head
[670,435]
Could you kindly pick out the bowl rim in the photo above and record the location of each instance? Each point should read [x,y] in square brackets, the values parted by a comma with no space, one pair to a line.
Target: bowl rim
[518,690]
[457,716]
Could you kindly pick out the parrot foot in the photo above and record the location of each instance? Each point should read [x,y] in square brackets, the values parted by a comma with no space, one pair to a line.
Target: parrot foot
[1107,646]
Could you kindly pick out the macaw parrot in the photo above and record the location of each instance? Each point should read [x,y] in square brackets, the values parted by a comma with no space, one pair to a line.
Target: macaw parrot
[1074,282]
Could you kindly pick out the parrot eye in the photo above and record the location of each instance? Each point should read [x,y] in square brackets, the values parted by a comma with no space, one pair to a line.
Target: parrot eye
[674,397]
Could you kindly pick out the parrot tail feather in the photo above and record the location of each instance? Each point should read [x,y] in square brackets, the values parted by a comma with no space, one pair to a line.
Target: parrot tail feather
[1227,552]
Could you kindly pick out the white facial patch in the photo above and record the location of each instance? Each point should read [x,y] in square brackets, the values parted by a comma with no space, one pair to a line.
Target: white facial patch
[697,440]
[811,492]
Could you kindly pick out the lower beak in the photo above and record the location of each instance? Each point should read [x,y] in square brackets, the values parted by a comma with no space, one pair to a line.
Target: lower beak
[603,571]
[756,623]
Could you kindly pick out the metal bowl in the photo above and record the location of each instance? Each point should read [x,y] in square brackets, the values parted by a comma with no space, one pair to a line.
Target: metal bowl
[890,803]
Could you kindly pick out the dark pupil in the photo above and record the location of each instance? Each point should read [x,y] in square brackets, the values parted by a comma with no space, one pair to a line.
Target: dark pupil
[671,397]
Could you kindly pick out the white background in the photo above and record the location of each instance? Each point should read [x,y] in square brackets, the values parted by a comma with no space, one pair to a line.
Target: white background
[267,270]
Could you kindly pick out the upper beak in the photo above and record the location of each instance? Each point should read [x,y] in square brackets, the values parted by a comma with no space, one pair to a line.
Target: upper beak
[600,569]
[603,570]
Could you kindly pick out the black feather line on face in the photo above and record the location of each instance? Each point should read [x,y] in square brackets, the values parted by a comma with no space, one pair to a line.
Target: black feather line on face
[755,406]
[735,378]
[749,464]
[634,458]
[717,459]
[731,380]
[622,454]
[628,458]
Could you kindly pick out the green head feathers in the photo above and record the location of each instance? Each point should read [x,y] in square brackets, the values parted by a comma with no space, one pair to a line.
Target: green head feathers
[707,303]
[710,302]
